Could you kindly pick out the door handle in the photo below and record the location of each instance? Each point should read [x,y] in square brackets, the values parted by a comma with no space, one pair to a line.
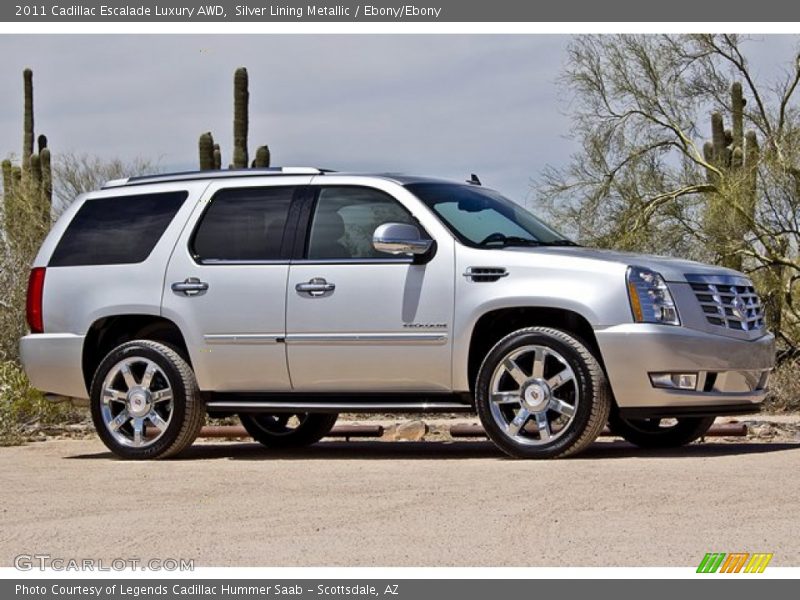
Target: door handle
[191,286]
[315,287]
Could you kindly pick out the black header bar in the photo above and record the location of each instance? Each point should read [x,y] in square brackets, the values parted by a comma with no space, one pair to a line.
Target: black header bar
[441,11]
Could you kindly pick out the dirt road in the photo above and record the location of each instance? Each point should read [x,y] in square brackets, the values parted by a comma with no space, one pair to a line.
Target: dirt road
[402,504]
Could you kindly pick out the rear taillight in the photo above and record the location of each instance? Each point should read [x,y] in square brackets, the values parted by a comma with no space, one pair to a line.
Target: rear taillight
[35,298]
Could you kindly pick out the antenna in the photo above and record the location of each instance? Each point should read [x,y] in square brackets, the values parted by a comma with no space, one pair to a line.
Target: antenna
[473,180]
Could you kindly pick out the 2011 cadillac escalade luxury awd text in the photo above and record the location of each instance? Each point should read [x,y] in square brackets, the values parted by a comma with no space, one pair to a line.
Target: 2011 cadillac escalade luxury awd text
[289,295]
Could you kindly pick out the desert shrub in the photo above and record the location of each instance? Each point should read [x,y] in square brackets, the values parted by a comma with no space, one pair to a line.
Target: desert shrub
[784,388]
[22,407]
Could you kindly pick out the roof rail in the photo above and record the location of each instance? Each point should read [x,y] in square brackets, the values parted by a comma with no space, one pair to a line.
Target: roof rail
[226,174]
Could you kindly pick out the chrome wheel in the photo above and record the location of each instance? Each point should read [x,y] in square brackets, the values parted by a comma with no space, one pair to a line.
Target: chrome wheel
[534,395]
[136,402]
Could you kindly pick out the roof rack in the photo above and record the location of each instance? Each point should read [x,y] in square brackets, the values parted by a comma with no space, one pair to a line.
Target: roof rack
[226,174]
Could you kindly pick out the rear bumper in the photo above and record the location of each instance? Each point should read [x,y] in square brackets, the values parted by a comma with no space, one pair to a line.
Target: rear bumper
[53,363]
[731,373]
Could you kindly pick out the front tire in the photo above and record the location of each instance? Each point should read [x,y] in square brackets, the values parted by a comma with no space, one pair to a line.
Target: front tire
[288,430]
[145,402]
[660,433]
[541,393]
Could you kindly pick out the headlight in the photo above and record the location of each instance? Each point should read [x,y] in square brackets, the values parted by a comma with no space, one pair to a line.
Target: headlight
[650,299]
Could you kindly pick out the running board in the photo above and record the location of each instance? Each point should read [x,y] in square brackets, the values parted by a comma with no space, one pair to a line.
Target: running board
[229,403]
[337,407]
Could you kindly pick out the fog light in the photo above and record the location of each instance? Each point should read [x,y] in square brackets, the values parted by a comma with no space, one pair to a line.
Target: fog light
[674,381]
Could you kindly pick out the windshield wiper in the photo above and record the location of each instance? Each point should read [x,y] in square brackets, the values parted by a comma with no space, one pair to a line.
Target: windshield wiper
[512,240]
[515,240]
[563,242]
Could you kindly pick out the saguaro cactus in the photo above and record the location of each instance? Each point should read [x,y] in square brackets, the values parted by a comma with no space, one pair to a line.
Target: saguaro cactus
[47,183]
[36,175]
[241,100]
[734,156]
[217,157]
[262,157]
[8,196]
[210,153]
[206,150]
[28,189]
[27,124]
[8,182]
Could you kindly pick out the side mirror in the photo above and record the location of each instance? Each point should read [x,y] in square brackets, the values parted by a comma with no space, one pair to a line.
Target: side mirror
[399,238]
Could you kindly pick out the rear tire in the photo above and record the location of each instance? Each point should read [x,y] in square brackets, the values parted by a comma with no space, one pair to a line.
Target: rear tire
[654,433]
[541,393]
[145,402]
[288,430]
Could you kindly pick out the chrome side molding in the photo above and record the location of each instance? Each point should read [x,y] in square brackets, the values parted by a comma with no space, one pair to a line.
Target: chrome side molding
[387,339]
[243,338]
[382,339]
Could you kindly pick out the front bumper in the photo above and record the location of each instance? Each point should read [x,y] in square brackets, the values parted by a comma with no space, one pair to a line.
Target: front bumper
[732,373]
[53,363]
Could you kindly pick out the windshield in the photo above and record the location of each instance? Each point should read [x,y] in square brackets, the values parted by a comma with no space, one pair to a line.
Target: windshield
[483,218]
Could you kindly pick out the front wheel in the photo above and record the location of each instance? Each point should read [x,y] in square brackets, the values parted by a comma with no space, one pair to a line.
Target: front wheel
[541,393]
[659,433]
[288,430]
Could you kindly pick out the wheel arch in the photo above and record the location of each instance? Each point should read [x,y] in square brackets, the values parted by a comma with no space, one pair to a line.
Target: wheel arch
[108,332]
[495,324]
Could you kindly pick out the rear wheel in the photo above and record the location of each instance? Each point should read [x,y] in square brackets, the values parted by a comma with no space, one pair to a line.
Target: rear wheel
[145,402]
[288,430]
[660,433]
[541,393]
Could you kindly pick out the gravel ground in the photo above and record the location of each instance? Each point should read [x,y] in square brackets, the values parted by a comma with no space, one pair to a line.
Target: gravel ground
[782,428]
[425,503]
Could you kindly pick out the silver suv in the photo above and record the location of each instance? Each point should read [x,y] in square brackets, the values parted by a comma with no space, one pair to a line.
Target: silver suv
[290,295]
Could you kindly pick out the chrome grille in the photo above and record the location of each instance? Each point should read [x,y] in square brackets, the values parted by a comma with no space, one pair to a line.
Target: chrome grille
[729,302]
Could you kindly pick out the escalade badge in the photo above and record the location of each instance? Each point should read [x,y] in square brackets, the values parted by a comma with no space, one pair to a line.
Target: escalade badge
[425,325]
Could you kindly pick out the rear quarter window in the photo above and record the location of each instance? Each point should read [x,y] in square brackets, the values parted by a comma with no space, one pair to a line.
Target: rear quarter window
[116,230]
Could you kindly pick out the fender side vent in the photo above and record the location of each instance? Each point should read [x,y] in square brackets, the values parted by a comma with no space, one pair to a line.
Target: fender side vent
[485,274]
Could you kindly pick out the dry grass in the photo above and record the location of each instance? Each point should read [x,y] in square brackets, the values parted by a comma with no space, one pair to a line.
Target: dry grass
[22,408]
[784,388]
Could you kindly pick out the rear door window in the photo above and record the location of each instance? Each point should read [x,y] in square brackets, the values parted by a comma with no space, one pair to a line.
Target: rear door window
[116,230]
[243,225]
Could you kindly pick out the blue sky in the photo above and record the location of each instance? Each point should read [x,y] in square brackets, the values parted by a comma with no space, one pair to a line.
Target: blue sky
[444,105]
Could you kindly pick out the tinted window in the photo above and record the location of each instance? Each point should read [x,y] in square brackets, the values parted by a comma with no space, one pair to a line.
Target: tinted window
[244,225]
[114,231]
[482,217]
[345,219]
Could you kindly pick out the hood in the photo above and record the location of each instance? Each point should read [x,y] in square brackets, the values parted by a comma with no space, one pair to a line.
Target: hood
[671,269]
